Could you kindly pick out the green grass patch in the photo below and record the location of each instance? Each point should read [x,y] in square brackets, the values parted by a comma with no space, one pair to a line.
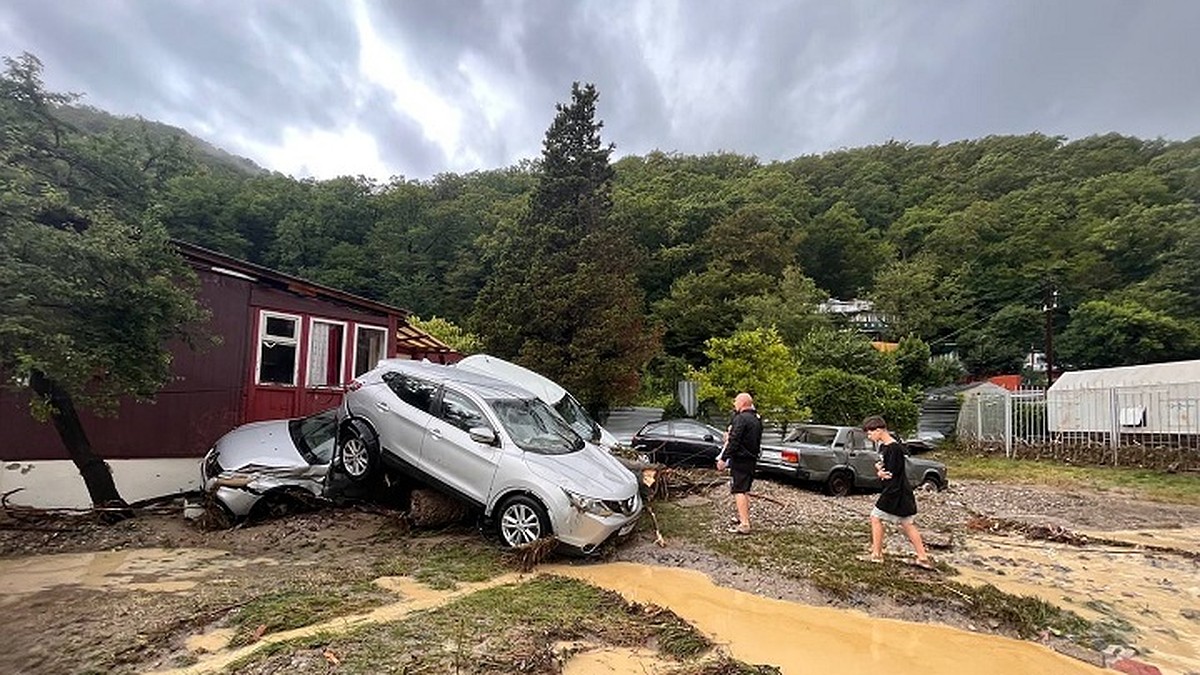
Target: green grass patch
[445,564]
[284,610]
[1175,488]
[513,628]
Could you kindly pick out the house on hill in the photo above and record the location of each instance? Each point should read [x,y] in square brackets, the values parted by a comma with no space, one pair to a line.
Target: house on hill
[287,348]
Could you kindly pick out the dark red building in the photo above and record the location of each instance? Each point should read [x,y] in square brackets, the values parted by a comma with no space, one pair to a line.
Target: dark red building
[286,348]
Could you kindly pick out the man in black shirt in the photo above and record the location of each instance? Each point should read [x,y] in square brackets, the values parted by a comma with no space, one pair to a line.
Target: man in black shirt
[742,445]
[896,504]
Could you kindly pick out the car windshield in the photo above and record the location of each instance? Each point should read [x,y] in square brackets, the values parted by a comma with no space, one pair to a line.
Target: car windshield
[535,427]
[314,435]
[577,417]
[814,435]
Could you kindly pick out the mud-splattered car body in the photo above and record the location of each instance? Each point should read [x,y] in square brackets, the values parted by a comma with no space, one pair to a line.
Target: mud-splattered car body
[265,459]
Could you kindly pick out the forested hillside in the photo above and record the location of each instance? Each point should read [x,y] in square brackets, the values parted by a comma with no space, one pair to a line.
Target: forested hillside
[957,244]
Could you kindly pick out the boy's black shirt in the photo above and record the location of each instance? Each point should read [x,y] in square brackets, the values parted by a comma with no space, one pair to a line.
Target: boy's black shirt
[897,497]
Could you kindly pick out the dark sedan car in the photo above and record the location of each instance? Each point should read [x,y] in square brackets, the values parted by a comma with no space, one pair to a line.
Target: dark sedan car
[681,442]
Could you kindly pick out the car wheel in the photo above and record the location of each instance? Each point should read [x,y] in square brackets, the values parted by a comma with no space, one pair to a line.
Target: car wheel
[522,521]
[357,455]
[930,484]
[839,484]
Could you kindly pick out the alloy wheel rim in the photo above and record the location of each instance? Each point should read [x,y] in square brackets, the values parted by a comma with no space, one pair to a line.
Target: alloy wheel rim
[354,457]
[520,525]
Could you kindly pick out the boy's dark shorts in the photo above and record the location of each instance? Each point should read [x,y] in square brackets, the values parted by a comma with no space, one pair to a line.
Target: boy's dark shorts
[742,476]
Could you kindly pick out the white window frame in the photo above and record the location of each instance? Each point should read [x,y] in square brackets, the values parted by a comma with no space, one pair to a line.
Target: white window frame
[341,357]
[263,315]
[354,360]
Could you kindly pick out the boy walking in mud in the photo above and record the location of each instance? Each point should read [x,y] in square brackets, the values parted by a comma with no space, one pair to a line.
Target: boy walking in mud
[896,504]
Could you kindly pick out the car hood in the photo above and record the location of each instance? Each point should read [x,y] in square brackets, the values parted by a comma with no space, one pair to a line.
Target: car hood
[591,471]
[260,444]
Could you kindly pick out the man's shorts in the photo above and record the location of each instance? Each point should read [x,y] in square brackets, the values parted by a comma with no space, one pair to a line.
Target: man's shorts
[891,518]
[741,477]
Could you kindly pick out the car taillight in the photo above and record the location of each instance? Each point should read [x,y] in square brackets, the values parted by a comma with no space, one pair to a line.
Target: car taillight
[354,385]
[790,456]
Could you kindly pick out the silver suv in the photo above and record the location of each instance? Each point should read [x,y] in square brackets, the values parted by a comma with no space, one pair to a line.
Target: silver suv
[490,443]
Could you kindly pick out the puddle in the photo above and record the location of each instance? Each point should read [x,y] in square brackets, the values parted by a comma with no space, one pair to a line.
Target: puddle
[805,639]
[593,659]
[1157,593]
[212,641]
[150,569]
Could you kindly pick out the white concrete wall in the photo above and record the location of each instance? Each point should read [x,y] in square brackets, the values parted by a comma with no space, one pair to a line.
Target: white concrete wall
[57,484]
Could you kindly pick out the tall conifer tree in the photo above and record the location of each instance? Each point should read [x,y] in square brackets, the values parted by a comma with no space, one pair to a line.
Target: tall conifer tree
[563,298]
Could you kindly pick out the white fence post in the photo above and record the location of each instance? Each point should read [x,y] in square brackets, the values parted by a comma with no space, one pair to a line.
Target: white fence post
[1008,424]
[979,417]
[1114,422]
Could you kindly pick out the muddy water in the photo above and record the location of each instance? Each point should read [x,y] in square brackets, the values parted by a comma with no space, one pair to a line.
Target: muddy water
[585,658]
[152,569]
[1157,593]
[805,639]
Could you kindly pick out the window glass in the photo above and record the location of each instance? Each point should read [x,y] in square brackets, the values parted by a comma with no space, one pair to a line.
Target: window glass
[535,427]
[462,412]
[417,393]
[277,350]
[577,417]
[325,349]
[694,431]
[314,435]
[369,343]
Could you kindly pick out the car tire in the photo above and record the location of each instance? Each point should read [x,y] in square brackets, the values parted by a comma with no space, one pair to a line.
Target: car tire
[522,520]
[930,484]
[839,483]
[357,452]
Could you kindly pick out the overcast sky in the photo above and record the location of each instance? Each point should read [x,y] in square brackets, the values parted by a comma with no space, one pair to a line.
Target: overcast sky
[413,88]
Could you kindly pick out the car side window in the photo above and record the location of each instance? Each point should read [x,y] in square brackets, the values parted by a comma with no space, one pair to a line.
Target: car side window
[417,393]
[690,431]
[462,412]
[859,441]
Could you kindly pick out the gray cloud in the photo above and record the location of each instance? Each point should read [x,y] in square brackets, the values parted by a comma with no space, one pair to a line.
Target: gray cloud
[773,79]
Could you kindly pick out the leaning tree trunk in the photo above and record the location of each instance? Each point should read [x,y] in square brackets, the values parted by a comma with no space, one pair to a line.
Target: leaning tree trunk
[95,471]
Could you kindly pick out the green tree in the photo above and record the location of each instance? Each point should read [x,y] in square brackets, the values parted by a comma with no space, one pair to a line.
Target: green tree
[837,397]
[89,294]
[756,361]
[844,350]
[912,360]
[563,296]
[791,308]
[1102,334]
[449,333]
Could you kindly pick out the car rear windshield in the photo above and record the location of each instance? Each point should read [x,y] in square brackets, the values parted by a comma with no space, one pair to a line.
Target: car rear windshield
[814,435]
[314,435]
[535,427]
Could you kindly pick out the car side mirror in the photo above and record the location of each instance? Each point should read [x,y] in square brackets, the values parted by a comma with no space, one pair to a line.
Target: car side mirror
[708,438]
[483,435]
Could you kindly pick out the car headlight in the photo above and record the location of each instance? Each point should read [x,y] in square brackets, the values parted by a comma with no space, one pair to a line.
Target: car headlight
[587,504]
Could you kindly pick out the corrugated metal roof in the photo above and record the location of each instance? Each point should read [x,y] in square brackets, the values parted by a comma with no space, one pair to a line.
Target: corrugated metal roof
[1149,374]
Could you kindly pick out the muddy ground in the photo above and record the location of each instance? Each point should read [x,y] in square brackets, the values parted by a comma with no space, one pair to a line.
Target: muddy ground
[105,627]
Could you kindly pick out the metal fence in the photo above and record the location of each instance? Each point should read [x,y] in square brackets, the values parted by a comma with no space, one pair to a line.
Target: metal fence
[1143,424]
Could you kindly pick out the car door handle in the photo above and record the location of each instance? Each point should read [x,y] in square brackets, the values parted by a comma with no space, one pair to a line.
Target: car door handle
[381,405]
[436,433]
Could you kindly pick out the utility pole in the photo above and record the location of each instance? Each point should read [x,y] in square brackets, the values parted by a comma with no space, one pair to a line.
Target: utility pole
[1048,306]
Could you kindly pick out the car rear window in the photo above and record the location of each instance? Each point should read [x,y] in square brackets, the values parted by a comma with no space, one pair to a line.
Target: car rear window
[416,392]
